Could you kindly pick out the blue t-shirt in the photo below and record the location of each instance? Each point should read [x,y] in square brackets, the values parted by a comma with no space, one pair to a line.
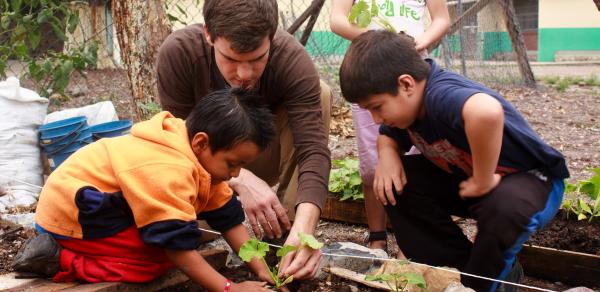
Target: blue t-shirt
[441,137]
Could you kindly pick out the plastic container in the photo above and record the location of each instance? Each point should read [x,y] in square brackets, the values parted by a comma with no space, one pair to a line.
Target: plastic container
[111,129]
[55,131]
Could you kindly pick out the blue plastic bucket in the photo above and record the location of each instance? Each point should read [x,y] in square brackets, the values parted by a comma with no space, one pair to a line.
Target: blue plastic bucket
[83,134]
[111,129]
[59,154]
[55,131]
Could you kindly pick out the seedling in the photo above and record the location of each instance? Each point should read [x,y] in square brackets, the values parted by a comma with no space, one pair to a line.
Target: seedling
[345,179]
[362,15]
[399,281]
[579,194]
[255,248]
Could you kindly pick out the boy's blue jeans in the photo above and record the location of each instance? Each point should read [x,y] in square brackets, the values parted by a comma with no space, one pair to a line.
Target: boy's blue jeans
[520,205]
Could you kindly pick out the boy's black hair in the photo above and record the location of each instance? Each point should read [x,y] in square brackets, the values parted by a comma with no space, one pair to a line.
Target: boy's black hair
[231,116]
[374,61]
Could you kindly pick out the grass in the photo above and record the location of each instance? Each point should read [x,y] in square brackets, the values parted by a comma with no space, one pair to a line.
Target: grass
[561,84]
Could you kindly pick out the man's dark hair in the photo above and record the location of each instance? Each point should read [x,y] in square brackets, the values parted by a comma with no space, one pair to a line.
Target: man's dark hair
[231,116]
[244,23]
[374,61]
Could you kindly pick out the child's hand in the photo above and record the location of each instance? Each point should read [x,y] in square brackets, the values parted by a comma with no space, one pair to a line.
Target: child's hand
[472,188]
[248,286]
[389,173]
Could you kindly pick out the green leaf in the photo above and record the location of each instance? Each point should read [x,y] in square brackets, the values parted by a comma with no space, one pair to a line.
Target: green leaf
[34,38]
[286,281]
[5,21]
[72,21]
[309,240]
[355,180]
[569,187]
[415,279]
[581,216]
[379,277]
[21,51]
[356,10]
[283,251]
[253,248]
[364,19]
[584,206]
[16,5]
[44,15]
[374,8]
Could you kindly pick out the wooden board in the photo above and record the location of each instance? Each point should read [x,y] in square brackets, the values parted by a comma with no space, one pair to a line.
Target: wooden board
[559,265]
[345,211]
[9,282]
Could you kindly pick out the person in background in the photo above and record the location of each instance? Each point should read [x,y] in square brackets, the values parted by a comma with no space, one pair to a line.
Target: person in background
[407,16]
[240,46]
[125,209]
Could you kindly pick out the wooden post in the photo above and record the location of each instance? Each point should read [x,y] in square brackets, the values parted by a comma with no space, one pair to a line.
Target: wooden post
[313,11]
[517,42]
[141,28]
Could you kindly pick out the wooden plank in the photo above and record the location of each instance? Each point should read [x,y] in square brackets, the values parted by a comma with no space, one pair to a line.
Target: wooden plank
[356,277]
[559,265]
[215,257]
[344,211]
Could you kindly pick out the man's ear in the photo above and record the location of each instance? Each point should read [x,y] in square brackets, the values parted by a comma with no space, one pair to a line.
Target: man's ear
[200,143]
[209,40]
[406,83]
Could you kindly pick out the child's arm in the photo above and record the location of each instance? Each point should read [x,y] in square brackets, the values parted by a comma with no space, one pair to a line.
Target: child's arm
[389,171]
[198,270]
[338,20]
[440,22]
[484,125]
[236,237]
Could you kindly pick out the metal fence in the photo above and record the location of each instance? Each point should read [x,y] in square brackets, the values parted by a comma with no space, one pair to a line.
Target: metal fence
[480,48]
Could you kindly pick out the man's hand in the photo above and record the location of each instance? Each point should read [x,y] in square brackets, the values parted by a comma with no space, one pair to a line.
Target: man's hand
[389,172]
[302,263]
[261,205]
[472,188]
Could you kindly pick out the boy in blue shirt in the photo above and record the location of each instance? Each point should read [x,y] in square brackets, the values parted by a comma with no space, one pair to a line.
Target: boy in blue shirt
[480,159]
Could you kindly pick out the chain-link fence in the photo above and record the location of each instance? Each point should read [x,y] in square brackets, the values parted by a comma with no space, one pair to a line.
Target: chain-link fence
[480,48]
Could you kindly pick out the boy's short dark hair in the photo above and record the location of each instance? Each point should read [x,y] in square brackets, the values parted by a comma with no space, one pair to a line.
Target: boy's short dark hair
[244,23]
[231,116]
[374,61]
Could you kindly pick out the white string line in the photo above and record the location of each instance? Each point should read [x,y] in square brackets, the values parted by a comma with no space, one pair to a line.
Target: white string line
[20,181]
[396,260]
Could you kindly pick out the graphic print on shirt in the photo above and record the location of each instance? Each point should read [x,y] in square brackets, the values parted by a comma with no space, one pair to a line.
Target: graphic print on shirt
[449,157]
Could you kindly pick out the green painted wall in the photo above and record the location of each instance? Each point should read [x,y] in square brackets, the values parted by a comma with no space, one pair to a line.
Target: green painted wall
[551,40]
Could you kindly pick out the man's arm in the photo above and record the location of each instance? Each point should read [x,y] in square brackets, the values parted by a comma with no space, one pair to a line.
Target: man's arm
[484,125]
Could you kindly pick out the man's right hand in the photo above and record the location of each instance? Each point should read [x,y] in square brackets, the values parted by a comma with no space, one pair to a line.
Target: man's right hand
[261,205]
[389,172]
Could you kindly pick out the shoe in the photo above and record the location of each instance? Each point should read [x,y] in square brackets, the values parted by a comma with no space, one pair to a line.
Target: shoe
[515,275]
[376,236]
[40,255]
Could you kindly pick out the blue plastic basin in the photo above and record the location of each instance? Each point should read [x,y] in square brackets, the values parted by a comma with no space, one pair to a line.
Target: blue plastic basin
[53,131]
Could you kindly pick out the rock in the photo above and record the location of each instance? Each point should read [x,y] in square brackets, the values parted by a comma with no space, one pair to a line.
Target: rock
[457,287]
[360,265]
[579,289]
[77,90]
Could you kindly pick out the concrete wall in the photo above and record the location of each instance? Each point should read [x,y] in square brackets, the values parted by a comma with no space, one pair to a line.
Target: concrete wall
[572,25]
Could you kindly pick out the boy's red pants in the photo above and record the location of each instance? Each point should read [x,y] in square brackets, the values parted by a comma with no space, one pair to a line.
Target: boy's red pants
[119,258]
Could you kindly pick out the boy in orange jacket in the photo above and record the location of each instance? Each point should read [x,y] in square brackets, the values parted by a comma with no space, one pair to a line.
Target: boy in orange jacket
[125,209]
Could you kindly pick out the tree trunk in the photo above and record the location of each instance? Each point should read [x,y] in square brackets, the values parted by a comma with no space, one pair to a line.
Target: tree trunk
[141,27]
[514,31]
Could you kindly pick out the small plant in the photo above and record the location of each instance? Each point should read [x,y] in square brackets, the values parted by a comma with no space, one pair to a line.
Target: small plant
[345,179]
[579,195]
[399,281]
[551,80]
[255,248]
[362,15]
[592,80]
[150,108]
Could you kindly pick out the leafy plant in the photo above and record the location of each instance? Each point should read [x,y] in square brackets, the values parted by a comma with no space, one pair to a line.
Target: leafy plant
[362,15]
[254,248]
[592,80]
[399,281]
[22,26]
[583,197]
[345,179]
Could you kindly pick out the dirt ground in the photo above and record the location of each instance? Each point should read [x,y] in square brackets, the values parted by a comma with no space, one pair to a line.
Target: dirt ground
[568,121]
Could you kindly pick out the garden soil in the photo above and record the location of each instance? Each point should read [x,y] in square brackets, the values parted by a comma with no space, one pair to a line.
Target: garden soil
[566,120]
